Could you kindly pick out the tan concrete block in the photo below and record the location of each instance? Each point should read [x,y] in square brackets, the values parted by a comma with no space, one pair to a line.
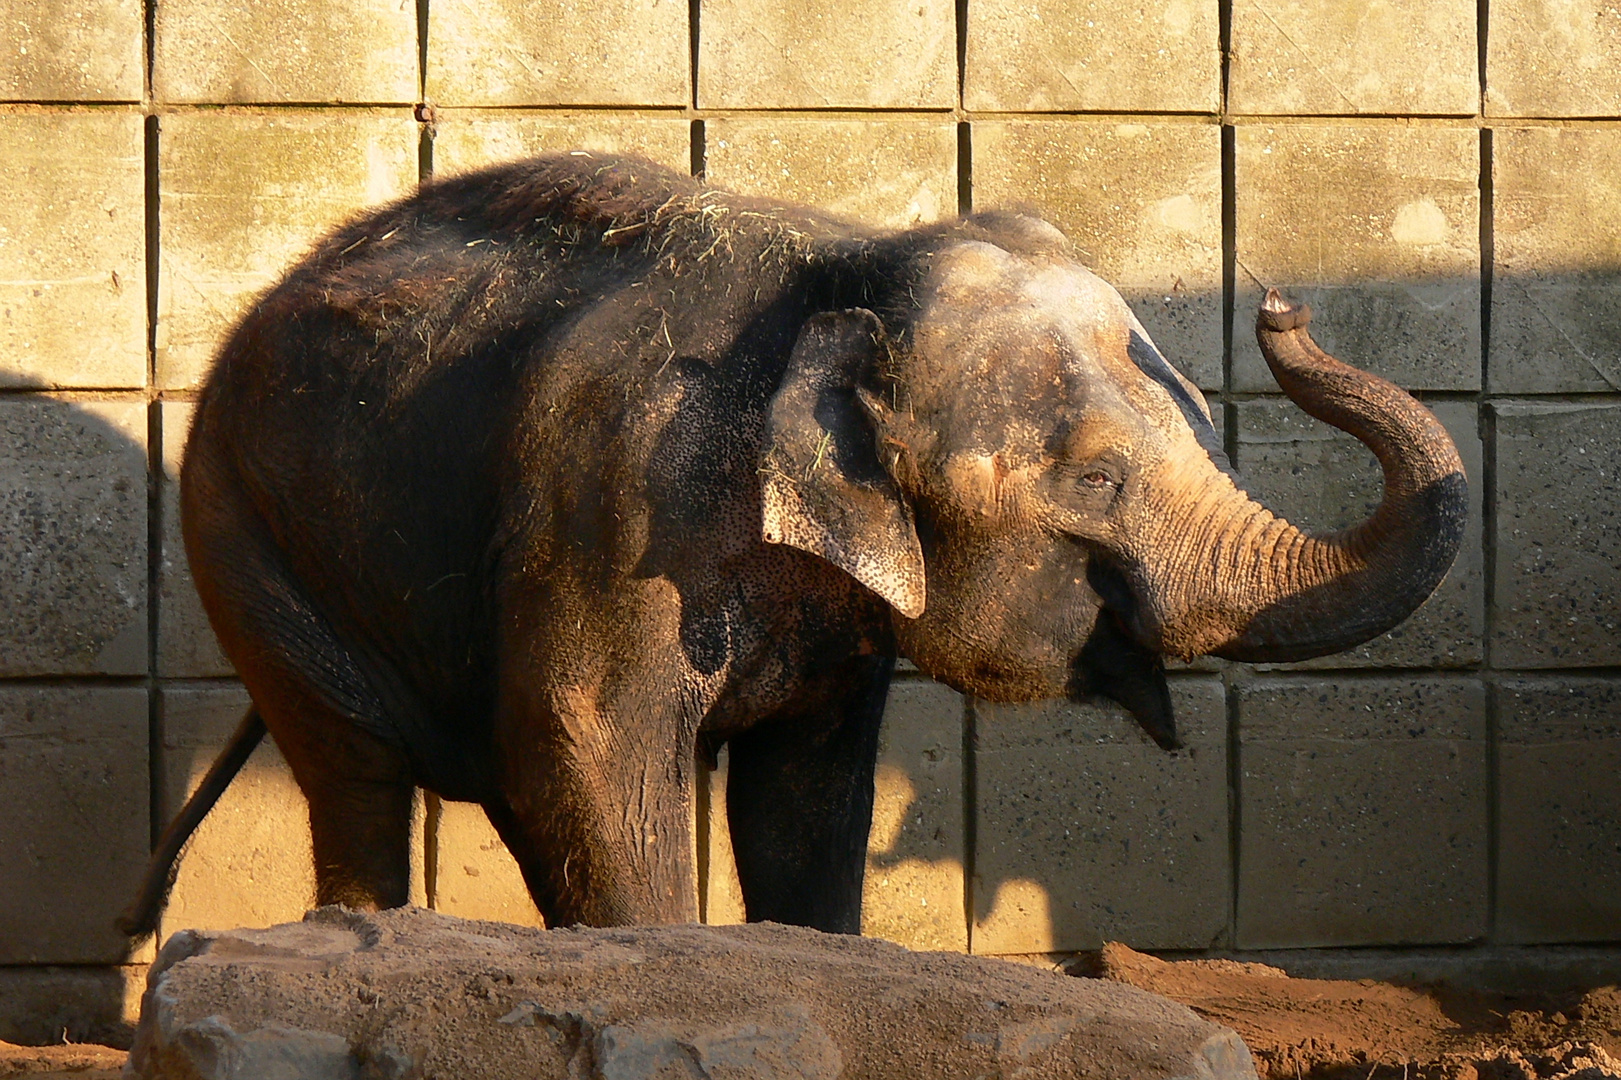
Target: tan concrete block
[249,862]
[1556,260]
[285,51]
[1553,58]
[1558,535]
[72,537]
[476,877]
[882,172]
[914,886]
[719,888]
[1102,55]
[228,234]
[842,54]
[1363,803]
[1559,809]
[1087,832]
[41,1005]
[186,642]
[1141,201]
[1324,480]
[1327,57]
[74,808]
[576,52]
[1378,228]
[72,249]
[71,50]
[466,139]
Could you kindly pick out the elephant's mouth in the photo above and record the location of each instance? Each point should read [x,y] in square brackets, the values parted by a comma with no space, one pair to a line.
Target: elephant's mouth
[1113,664]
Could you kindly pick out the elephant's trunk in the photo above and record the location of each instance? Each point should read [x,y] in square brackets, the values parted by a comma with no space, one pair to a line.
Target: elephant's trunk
[1273,593]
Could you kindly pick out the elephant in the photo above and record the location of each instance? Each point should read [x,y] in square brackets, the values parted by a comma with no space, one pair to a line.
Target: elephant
[537,487]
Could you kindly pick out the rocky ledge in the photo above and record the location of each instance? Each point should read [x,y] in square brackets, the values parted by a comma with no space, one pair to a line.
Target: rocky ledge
[414,995]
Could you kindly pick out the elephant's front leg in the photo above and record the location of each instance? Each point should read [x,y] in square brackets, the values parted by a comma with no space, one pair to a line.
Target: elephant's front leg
[598,807]
[799,793]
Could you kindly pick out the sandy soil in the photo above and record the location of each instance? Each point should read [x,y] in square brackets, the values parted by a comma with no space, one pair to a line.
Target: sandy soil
[1298,1029]
[1335,1030]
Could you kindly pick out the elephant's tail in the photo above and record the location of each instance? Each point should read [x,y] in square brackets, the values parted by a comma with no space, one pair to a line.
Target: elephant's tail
[141,918]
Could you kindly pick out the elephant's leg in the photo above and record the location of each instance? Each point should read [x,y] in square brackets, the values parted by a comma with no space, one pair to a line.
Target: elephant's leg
[598,813]
[799,792]
[319,705]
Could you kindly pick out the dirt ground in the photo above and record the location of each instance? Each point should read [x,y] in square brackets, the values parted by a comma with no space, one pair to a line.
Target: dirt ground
[1298,1029]
[1321,1029]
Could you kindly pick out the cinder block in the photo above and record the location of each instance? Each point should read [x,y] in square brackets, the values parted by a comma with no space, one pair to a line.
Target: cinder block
[1556,292]
[74,803]
[1094,55]
[1363,811]
[845,54]
[230,233]
[1142,203]
[40,1005]
[1378,228]
[293,51]
[1087,832]
[72,50]
[883,172]
[914,885]
[249,862]
[1325,57]
[186,642]
[476,877]
[72,537]
[72,250]
[1559,809]
[467,139]
[579,52]
[1553,58]
[1323,480]
[1558,535]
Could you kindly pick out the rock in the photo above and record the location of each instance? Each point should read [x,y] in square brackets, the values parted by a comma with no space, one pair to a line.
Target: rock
[414,995]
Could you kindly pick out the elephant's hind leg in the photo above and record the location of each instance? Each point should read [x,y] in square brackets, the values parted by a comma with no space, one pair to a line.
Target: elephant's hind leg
[316,700]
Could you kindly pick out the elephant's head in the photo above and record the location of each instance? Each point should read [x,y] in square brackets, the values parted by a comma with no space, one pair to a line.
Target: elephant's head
[1041,497]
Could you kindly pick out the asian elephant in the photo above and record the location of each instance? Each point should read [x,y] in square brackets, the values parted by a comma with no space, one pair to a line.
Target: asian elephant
[536,486]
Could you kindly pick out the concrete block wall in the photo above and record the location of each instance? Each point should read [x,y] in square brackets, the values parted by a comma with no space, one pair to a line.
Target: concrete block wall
[1439,178]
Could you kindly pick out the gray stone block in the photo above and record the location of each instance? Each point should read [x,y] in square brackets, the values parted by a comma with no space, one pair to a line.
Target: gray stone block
[1142,203]
[1551,58]
[1556,260]
[914,884]
[1095,55]
[74,799]
[883,172]
[71,50]
[43,1004]
[580,52]
[1325,57]
[849,54]
[1559,809]
[409,993]
[186,642]
[1378,228]
[228,234]
[284,51]
[72,537]
[1558,534]
[1087,832]
[467,139]
[1324,480]
[72,249]
[249,862]
[1362,805]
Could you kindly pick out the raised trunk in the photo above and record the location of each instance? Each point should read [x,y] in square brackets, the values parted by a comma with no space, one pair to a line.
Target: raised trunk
[1274,593]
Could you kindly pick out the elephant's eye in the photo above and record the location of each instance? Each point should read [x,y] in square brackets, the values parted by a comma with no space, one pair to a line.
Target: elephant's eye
[1097,478]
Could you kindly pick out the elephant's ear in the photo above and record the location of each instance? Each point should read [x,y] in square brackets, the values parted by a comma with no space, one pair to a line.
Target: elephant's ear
[824,490]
